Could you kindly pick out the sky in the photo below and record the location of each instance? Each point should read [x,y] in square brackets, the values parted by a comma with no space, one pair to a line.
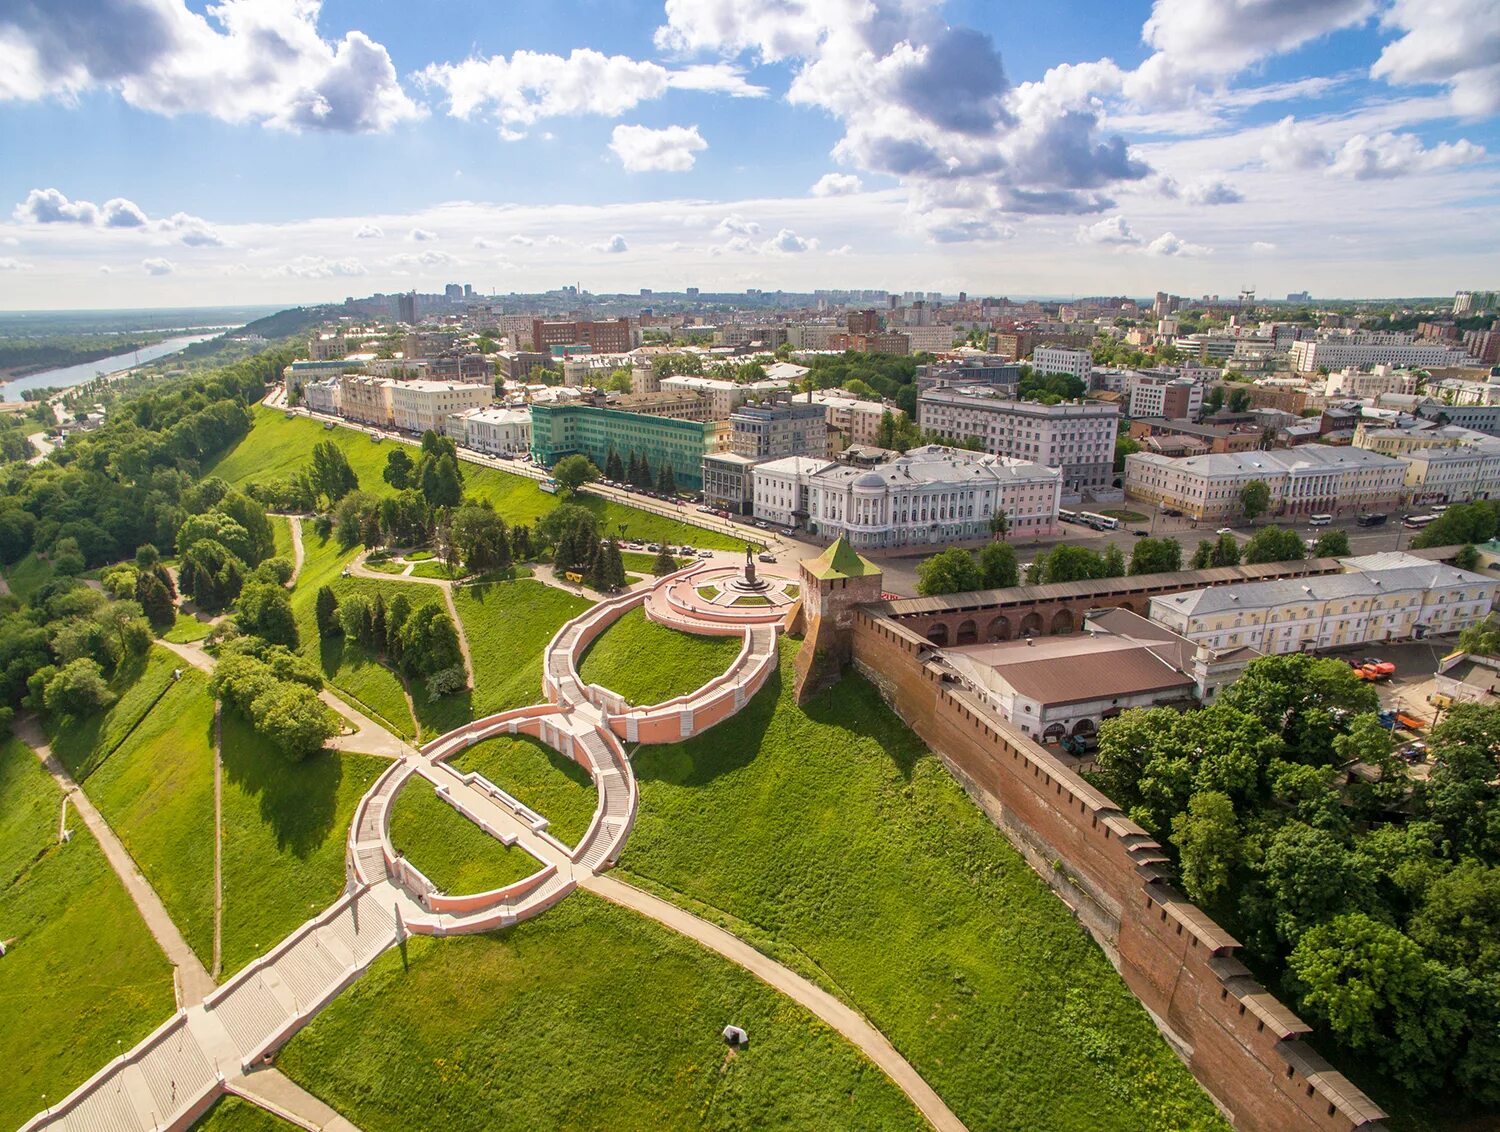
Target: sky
[164,153]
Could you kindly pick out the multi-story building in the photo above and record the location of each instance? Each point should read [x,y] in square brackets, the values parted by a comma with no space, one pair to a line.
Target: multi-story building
[406,308]
[419,406]
[1380,379]
[1483,344]
[327,347]
[931,495]
[500,432]
[455,366]
[724,397]
[866,322]
[615,337]
[1062,359]
[684,405]
[1453,474]
[811,335]
[1175,398]
[366,399]
[981,370]
[1480,418]
[299,374]
[728,483]
[1395,350]
[1017,344]
[856,419]
[928,339]
[1227,437]
[559,430]
[322,396]
[1077,437]
[429,343]
[769,430]
[1382,597]
[1306,480]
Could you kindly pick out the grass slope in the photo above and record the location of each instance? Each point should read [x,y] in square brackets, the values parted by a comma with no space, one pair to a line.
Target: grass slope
[157,793]
[277,447]
[587,1017]
[230,1114]
[508,624]
[284,829]
[27,576]
[186,630]
[81,972]
[834,837]
[82,745]
[550,783]
[452,852]
[281,529]
[647,663]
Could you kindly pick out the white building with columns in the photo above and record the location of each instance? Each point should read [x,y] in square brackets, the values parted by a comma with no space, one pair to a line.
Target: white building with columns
[417,406]
[500,432]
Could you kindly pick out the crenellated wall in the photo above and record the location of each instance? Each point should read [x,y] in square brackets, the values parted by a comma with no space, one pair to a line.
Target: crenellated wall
[1241,1043]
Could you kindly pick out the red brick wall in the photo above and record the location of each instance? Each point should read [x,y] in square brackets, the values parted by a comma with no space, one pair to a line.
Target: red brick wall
[1241,1044]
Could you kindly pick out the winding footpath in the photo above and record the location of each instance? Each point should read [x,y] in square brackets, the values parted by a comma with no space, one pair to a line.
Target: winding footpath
[222,1040]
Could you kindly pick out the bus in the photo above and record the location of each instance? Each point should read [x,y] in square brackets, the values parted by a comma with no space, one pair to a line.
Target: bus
[1370,520]
[1067,516]
[549,486]
[1097,521]
[1417,521]
[1321,520]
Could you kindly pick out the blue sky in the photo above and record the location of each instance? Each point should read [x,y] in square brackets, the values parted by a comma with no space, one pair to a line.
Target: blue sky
[158,152]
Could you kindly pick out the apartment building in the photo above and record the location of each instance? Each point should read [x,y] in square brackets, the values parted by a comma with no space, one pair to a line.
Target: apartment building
[1063,359]
[724,397]
[322,396]
[928,339]
[499,432]
[930,496]
[728,482]
[559,430]
[1310,479]
[366,399]
[1454,474]
[1383,597]
[1380,379]
[1392,350]
[1076,437]
[615,337]
[769,430]
[1173,398]
[298,374]
[857,419]
[417,406]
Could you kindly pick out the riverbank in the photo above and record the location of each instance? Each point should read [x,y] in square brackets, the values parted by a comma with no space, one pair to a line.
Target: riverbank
[117,362]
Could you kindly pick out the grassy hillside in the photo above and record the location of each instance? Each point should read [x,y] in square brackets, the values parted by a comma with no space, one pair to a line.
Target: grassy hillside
[508,624]
[550,783]
[587,1017]
[230,1114]
[832,838]
[647,663]
[449,849]
[81,972]
[82,745]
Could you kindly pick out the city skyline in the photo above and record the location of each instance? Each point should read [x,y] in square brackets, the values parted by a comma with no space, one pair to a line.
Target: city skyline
[298,152]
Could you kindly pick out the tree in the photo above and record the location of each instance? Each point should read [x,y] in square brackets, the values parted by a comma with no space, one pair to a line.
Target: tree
[265,610]
[331,474]
[211,574]
[999,525]
[1239,400]
[293,718]
[1112,562]
[442,480]
[1467,557]
[1306,699]
[356,519]
[1459,921]
[1461,523]
[1255,497]
[77,689]
[1462,794]
[155,602]
[428,641]
[572,472]
[1481,639]
[666,482]
[1311,877]
[1070,564]
[1214,401]
[664,564]
[520,543]
[1222,551]
[949,571]
[1156,556]
[251,516]
[480,538]
[1332,544]
[1207,837]
[327,612]
[614,467]
[997,566]
[1274,544]
[1124,446]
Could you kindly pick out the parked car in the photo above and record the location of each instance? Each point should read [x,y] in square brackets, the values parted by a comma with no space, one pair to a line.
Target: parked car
[789,532]
[1172,512]
[1224,531]
[705,554]
[1138,533]
[766,556]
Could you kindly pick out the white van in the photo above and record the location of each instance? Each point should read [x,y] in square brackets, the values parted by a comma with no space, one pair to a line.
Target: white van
[1319,520]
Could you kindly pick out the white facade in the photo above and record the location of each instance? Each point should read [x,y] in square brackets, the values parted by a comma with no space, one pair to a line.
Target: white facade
[724,397]
[858,419]
[1305,480]
[496,431]
[1308,356]
[1060,359]
[1078,438]
[1381,379]
[1453,474]
[1171,397]
[1386,597]
[322,396]
[417,406]
[931,495]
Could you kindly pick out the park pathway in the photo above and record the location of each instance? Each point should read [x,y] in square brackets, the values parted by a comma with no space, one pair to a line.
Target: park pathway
[193,982]
[218,837]
[295,523]
[278,1094]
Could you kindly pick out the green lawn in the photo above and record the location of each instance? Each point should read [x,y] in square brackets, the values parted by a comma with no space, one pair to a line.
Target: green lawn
[187,630]
[277,447]
[81,972]
[27,576]
[82,745]
[386,567]
[452,852]
[833,838]
[550,783]
[281,528]
[434,570]
[284,830]
[587,1017]
[157,793]
[647,663]
[508,624]
[230,1114]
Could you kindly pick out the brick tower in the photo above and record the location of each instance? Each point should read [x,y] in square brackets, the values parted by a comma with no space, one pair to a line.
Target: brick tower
[832,585]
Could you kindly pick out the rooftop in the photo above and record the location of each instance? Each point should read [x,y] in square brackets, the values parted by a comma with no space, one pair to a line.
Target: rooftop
[840,560]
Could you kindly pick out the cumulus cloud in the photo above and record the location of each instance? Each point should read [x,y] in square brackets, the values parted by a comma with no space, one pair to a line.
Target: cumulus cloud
[430,258]
[836,185]
[1211,191]
[672,149]
[736,225]
[522,241]
[615,245]
[1368,157]
[421,235]
[1169,245]
[1452,42]
[1262,247]
[239,60]
[10,263]
[1112,230]
[369,232]
[788,242]
[158,266]
[49,206]
[317,267]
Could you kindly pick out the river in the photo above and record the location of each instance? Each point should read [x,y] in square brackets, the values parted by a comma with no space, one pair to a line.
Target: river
[77,375]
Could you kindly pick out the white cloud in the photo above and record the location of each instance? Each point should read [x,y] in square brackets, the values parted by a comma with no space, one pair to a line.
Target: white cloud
[421,235]
[1111,231]
[529,85]
[615,245]
[522,241]
[1211,190]
[317,267]
[736,225]
[240,60]
[715,78]
[788,242]
[836,185]
[1169,245]
[484,243]
[1262,247]
[430,258]
[158,266]
[49,206]
[672,149]
[841,250]
[1365,157]
[10,263]
[1452,42]
[369,232]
